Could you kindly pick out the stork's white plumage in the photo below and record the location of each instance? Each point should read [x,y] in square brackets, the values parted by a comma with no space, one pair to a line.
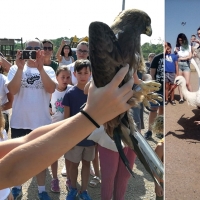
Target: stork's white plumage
[193,98]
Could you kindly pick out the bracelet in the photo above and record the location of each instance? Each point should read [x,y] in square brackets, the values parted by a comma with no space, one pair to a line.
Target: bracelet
[90,118]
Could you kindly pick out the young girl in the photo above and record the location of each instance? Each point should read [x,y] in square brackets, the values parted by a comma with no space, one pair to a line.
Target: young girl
[63,76]
[171,71]
[158,128]
[64,54]
[183,50]
[5,194]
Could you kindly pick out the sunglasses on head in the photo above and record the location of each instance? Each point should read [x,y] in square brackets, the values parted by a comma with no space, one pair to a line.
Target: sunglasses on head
[32,48]
[49,48]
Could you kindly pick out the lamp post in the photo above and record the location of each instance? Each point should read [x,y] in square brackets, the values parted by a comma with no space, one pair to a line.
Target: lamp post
[123,4]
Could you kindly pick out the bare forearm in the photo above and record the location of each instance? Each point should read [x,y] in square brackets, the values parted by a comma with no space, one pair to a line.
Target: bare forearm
[25,156]
[15,84]
[49,84]
[6,106]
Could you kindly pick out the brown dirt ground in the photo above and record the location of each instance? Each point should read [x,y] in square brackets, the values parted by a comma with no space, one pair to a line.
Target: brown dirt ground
[182,149]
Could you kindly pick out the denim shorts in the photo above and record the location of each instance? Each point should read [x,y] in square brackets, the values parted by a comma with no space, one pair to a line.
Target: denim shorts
[184,66]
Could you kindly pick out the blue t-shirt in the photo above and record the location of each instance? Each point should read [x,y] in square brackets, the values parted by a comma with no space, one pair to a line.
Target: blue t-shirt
[75,98]
[170,60]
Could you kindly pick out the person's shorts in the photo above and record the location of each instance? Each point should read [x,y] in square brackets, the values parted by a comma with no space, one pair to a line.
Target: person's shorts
[15,133]
[170,77]
[184,66]
[78,153]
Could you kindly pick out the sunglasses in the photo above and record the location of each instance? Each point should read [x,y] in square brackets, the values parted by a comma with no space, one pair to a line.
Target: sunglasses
[49,48]
[32,48]
[81,51]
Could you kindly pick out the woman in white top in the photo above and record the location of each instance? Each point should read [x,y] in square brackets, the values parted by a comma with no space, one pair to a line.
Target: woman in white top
[64,54]
[184,53]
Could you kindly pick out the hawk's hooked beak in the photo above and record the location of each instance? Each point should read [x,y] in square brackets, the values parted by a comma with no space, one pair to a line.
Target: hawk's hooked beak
[148,30]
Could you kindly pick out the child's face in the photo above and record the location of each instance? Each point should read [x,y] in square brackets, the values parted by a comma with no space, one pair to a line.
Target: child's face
[83,75]
[63,79]
[168,50]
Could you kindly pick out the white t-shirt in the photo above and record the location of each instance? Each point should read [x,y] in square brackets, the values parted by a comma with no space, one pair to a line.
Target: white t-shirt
[5,192]
[184,52]
[56,103]
[3,91]
[71,68]
[30,107]
[101,137]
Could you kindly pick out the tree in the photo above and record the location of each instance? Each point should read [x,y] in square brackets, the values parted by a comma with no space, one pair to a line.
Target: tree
[151,48]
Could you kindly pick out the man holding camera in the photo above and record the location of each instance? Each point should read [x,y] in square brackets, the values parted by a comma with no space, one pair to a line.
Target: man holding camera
[31,83]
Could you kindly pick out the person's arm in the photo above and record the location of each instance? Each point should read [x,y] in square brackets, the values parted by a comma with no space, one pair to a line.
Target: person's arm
[177,68]
[49,84]
[159,151]
[186,57]
[66,112]
[153,73]
[27,156]
[5,64]
[15,84]
[8,104]
[58,56]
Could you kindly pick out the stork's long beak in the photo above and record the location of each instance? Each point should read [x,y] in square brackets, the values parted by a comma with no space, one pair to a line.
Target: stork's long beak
[148,30]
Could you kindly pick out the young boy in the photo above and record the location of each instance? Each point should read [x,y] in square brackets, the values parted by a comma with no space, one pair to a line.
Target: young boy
[171,71]
[85,150]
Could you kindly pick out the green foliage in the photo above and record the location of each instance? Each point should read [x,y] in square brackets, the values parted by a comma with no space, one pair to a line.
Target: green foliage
[146,48]
[151,48]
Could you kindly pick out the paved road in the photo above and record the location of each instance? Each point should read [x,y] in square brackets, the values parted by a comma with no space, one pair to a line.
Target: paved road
[140,187]
[182,149]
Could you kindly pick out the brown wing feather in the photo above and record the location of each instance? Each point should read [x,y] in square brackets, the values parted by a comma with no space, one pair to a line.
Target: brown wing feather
[104,54]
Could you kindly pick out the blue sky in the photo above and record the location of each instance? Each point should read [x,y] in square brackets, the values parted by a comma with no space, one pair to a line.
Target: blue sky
[178,11]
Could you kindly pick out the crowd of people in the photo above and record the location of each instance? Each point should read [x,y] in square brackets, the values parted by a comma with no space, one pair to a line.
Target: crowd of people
[178,63]
[46,97]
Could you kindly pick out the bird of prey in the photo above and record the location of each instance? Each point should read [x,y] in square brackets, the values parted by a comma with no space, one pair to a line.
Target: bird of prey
[110,48]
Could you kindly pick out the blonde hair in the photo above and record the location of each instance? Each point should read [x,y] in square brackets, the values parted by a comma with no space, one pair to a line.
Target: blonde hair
[158,124]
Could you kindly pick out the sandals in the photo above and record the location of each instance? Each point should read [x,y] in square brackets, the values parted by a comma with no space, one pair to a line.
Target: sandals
[95,181]
[173,103]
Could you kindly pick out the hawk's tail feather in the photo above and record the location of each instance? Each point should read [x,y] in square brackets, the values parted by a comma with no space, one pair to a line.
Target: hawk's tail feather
[117,140]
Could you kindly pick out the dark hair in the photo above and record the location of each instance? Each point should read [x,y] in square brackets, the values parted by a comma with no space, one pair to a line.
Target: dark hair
[47,41]
[70,50]
[80,64]
[184,40]
[169,44]
[62,68]
[193,35]
[198,29]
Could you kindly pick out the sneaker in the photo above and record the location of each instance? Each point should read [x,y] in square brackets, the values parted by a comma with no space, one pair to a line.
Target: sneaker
[55,185]
[166,102]
[173,103]
[64,171]
[148,135]
[159,135]
[181,101]
[43,196]
[72,194]
[84,196]
[16,192]
[68,184]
